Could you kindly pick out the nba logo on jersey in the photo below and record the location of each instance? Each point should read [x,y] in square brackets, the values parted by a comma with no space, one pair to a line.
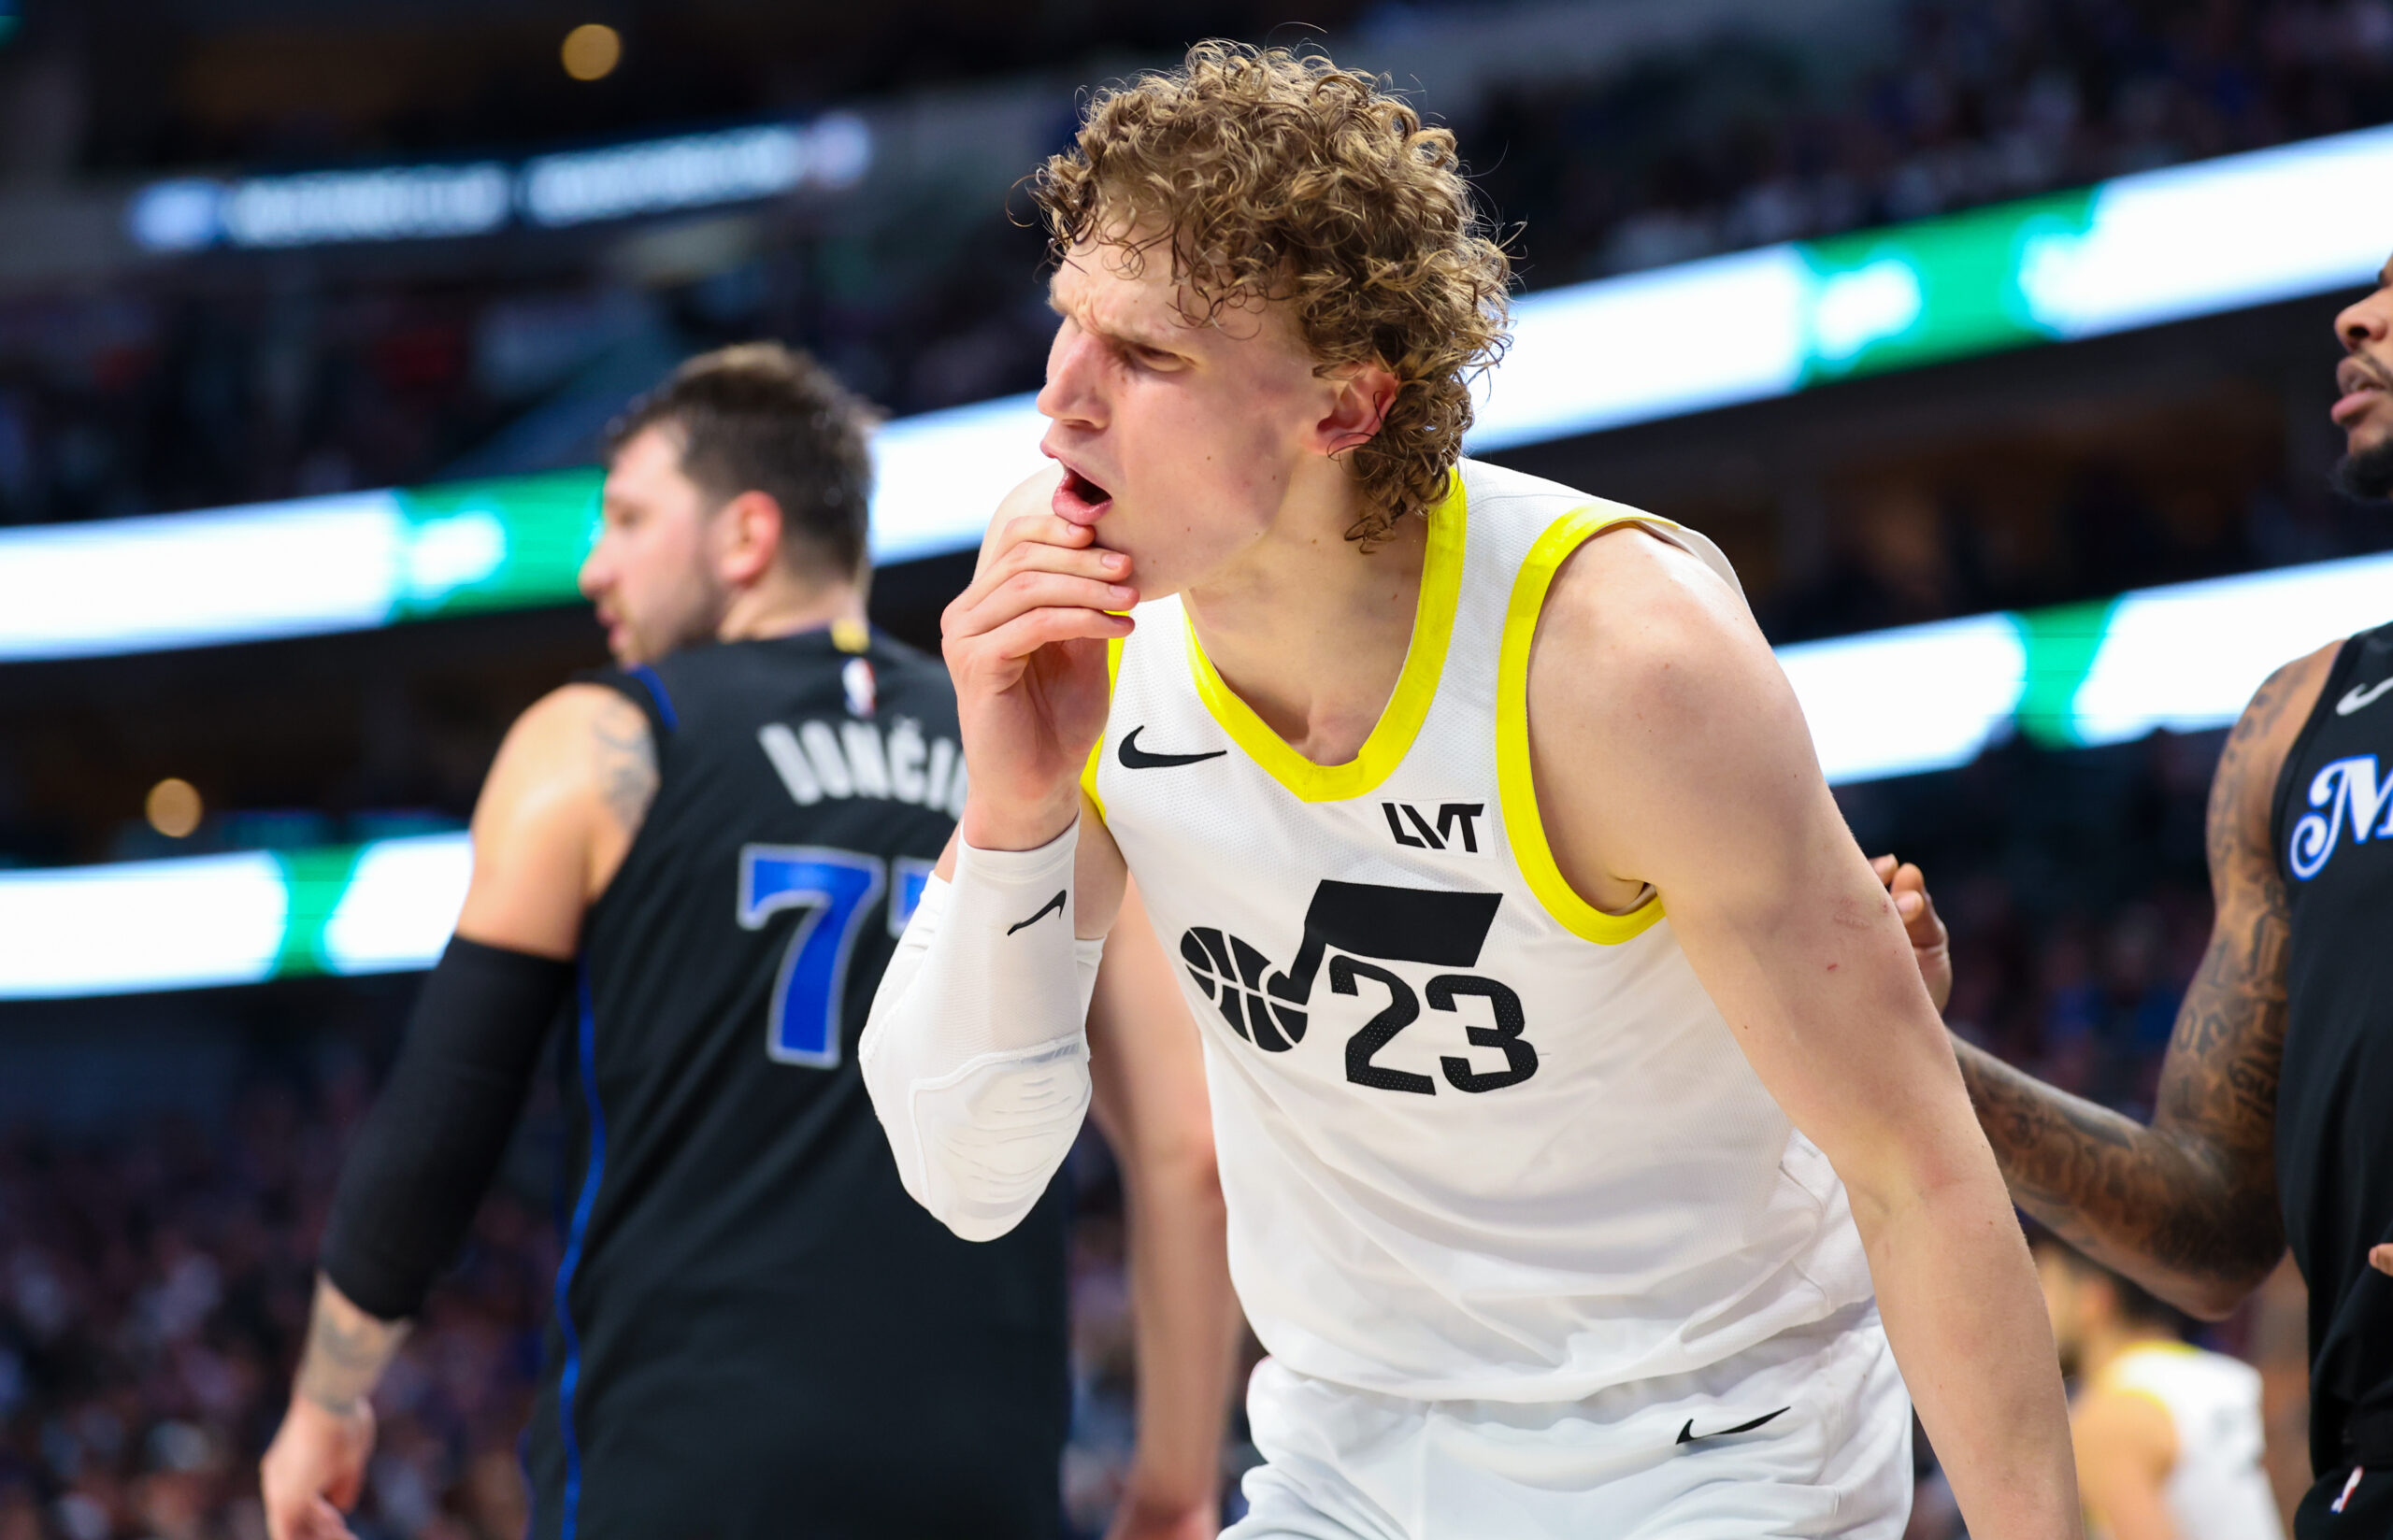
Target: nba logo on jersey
[857,678]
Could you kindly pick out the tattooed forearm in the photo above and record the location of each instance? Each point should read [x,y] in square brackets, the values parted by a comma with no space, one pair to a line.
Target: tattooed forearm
[2193,1223]
[2187,1206]
[346,1353]
[626,758]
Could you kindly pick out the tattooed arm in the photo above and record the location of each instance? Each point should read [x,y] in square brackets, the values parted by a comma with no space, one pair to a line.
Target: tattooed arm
[569,789]
[316,1469]
[346,1353]
[2187,1205]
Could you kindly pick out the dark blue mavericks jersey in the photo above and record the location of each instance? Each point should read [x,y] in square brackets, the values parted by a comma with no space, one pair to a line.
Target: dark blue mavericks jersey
[757,1332]
[2333,837]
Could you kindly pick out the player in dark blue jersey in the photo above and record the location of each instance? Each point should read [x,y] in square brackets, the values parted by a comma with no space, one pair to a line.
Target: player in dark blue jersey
[694,866]
[2271,1128]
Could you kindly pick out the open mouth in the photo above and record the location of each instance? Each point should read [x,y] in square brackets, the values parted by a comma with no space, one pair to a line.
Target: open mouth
[2362,385]
[2357,401]
[1079,499]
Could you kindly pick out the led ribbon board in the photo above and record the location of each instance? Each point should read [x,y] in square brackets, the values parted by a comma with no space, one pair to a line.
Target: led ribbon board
[2159,246]
[445,202]
[320,564]
[1890,703]
[241,918]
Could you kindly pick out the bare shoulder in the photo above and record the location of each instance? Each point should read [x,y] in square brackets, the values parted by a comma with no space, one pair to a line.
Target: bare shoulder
[577,743]
[2283,703]
[570,786]
[1659,724]
[1641,635]
[2244,787]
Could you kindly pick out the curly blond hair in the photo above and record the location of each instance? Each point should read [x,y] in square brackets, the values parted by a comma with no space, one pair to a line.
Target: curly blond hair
[1271,175]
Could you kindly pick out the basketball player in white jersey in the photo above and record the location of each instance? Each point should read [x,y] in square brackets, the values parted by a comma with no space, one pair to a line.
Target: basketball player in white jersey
[2168,1437]
[1572,1081]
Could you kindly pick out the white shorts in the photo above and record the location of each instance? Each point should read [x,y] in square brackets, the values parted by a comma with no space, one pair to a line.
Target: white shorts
[1825,1450]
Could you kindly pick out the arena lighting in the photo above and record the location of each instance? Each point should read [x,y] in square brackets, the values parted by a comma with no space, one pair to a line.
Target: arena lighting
[1890,703]
[205,921]
[346,563]
[693,172]
[421,203]
[415,203]
[320,207]
[2158,246]
[591,51]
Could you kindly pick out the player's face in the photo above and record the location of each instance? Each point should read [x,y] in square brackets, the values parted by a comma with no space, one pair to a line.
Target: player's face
[1179,442]
[651,573]
[2364,379]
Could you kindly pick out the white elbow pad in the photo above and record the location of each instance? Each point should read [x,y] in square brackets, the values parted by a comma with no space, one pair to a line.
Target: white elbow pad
[976,1053]
[989,1136]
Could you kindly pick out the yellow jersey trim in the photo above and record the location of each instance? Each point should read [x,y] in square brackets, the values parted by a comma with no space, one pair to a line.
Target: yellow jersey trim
[1514,784]
[1416,685]
[1096,750]
[2107,1383]
[2122,1363]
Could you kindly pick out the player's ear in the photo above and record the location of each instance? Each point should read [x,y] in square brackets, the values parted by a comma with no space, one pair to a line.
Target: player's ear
[1361,396]
[751,537]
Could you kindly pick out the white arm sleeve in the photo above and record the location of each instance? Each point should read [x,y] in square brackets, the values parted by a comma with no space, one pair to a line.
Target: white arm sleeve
[976,1053]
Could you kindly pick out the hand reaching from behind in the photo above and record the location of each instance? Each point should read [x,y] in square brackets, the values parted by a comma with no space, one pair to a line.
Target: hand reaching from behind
[1931,945]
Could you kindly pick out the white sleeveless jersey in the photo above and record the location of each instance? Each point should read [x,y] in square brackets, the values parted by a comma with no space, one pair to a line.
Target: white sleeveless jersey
[1478,1138]
[2218,1489]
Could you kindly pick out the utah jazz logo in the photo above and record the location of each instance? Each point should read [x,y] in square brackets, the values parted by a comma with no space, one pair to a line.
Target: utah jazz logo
[1348,923]
[2348,795]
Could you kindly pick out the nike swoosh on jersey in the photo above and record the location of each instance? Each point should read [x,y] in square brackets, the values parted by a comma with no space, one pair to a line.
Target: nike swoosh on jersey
[2358,696]
[1688,1435]
[1135,757]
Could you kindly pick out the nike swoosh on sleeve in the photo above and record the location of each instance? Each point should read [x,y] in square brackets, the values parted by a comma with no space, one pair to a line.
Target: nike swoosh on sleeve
[1053,905]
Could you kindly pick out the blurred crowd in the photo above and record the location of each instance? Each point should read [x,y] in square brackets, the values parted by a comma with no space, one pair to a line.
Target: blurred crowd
[154,1283]
[1985,100]
[155,1272]
[1927,551]
[157,397]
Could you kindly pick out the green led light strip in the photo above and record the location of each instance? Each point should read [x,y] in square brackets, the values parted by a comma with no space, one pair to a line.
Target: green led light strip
[1889,702]
[2159,246]
[538,528]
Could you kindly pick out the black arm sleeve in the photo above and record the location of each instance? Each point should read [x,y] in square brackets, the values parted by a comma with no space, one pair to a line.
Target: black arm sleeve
[434,1139]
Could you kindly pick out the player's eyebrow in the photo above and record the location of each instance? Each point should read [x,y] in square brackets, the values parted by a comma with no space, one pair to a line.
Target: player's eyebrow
[1132,336]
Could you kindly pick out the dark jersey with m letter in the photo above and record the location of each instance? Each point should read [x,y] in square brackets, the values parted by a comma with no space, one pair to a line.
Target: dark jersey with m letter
[755,1332]
[2333,837]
